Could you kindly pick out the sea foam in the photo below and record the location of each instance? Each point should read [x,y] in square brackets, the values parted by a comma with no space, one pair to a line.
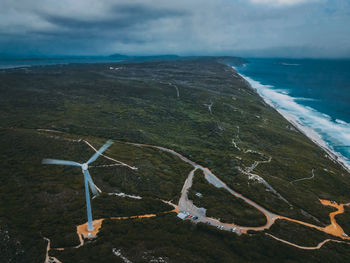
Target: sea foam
[332,135]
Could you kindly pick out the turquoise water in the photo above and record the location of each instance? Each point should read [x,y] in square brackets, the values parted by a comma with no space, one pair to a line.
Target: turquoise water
[316,92]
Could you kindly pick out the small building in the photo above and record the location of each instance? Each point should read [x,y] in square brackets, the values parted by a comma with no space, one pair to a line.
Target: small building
[182,216]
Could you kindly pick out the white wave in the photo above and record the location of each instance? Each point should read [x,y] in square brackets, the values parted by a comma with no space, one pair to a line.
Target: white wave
[289,64]
[340,121]
[318,126]
[283,91]
[304,99]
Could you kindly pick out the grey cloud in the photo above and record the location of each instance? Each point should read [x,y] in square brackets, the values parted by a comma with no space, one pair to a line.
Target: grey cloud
[232,27]
[120,16]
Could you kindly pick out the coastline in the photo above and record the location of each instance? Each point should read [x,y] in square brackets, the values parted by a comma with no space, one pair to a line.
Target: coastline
[51,62]
[307,131]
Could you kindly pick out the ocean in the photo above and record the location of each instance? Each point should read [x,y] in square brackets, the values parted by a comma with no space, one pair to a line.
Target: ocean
[314,93]
[19,63]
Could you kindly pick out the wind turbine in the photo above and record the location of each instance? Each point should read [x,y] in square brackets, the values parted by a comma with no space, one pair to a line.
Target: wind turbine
[87,178]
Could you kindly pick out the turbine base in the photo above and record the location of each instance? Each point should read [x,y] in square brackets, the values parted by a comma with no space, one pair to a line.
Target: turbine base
[82,230]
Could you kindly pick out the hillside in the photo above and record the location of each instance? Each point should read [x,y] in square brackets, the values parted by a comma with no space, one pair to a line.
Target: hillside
[198,107]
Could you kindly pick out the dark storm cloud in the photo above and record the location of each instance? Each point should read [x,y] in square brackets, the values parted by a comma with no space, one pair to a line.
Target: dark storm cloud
[243,27]
[121,16]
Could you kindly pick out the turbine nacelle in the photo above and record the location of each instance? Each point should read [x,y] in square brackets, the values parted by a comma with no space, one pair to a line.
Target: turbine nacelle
[84,166]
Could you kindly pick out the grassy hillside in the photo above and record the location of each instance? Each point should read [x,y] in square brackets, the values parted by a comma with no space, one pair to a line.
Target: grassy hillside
[161,103]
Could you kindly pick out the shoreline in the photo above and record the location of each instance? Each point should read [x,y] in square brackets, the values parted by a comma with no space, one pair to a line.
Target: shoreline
[307,131]
[55,62]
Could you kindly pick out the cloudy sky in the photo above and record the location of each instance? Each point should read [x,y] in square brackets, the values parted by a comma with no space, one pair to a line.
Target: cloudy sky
[290,28]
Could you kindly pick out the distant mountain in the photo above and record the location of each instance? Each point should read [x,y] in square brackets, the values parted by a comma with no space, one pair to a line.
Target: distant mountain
[152,58]
[118,56]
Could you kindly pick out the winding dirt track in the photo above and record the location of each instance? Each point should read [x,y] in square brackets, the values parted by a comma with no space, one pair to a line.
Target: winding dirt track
[213,179]
[303,247]
[333,229]
[47,257]
[186,205]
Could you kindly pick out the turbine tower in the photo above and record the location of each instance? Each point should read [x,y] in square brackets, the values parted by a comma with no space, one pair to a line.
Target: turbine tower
[87,178]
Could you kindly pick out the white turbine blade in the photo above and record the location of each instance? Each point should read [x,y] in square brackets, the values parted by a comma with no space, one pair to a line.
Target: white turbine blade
[100,151]
[60,162]
[92,186]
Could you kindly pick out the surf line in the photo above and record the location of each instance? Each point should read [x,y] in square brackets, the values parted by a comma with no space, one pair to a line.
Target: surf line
[289,109]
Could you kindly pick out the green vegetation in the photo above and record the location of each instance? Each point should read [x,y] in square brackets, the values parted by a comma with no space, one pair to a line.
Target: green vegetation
[48,201]
[221,204]
[137,104]
[344,220]
[298,234]
[180,241]
[108,206]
